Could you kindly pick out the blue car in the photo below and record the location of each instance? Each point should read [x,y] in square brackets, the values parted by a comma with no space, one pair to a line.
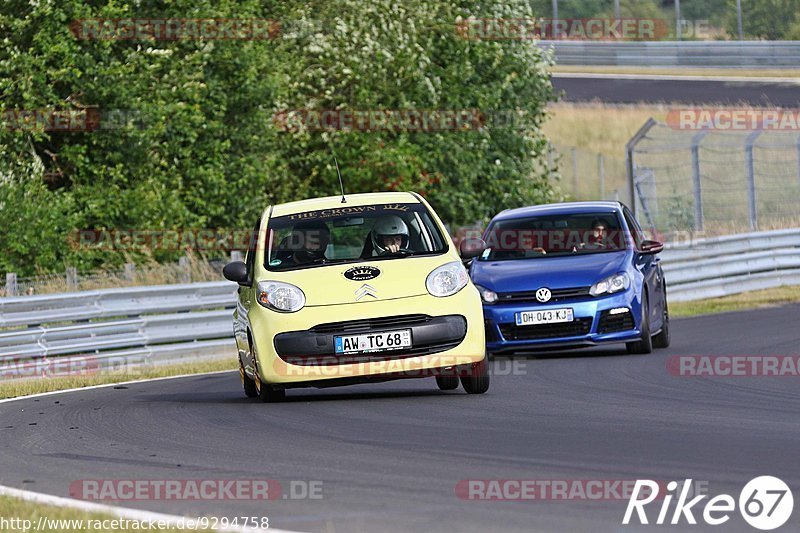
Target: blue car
[571,275]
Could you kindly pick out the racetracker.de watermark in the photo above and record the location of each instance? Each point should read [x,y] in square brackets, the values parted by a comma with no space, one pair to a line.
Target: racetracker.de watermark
[70,365]
[559,489]
[734,119]
[195,489]
[577,29]
[69,120]
[734,365]
[175,29]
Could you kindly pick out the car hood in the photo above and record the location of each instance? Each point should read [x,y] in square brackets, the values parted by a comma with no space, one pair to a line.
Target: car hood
[517,275]
[327,285]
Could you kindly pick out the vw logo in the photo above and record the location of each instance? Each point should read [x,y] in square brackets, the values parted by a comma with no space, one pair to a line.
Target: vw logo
[543,295]
[366,290]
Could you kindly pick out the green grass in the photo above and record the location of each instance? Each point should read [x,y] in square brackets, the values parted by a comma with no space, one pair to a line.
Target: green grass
[22,387]
[13,508]
[737,302]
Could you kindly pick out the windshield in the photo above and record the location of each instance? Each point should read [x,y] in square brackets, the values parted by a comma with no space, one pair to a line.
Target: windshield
[554,235]
[351,234]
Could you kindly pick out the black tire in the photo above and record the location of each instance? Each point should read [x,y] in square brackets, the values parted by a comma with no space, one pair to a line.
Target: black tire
[662,339]
[266,392]
[447,382]
[248,384]
[478,381]
[645,344]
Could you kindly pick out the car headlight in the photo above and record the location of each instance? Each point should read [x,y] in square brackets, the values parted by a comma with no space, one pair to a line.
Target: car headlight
[488,296]
[611,284]
[447,279]
[279,296]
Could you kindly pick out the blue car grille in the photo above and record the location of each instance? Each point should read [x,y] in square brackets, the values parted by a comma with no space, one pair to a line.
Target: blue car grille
[557,295]
[576,328]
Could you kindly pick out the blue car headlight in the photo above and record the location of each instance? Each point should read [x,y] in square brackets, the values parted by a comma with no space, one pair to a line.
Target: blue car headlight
[611,284]
[488,296]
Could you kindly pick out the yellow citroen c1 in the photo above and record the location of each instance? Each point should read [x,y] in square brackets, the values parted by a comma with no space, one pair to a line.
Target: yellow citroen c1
[355,289]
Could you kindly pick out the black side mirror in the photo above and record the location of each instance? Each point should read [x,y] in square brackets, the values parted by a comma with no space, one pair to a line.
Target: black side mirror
[236,271]
[652,247]
[471,248]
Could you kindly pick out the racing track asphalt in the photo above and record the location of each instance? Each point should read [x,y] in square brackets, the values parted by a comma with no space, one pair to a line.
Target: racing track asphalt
[389,455]
[629,90]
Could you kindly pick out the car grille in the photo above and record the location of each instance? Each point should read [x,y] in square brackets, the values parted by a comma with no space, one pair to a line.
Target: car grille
[367,324]
[612,323]
[557,295]
[579,326]
[491,335]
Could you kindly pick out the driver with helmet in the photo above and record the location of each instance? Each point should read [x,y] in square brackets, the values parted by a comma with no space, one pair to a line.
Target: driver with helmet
[389,235]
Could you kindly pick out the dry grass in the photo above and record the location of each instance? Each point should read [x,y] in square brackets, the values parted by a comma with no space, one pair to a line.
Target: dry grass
[682,71]
[737,302]
[197,269]
[22,387]
[13,508]
[598,128]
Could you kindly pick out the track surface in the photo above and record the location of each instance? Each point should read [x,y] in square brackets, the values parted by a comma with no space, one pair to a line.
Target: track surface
[390,455]
[631,91]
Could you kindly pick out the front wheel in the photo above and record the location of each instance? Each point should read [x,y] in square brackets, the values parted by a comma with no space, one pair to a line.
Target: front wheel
[266,392]
[662,340]
[248,384]
[478,380]
[645,344]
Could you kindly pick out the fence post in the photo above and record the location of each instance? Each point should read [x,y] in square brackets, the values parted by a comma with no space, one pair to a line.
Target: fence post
[751,179]
[129,271]
[601,173]
[72,278]
[699,217]
[236,255]
[11,284]
[183,265]
[631,164]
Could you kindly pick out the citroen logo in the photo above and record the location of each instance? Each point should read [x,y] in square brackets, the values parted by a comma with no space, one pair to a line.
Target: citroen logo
[366,290]
[543,295]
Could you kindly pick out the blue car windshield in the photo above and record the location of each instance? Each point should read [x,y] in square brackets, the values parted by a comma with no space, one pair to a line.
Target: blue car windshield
[546,236]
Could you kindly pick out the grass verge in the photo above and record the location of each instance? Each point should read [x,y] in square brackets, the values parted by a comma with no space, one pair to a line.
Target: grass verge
[24,514]
[22,387]
[737,302]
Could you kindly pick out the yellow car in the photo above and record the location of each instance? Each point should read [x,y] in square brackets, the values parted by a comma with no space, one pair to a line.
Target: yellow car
[362,288]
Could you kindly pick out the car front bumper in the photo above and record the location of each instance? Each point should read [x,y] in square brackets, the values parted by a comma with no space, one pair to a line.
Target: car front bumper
[296,348]
[592,325]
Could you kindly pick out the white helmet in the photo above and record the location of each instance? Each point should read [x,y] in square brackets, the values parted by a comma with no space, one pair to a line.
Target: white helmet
[387,226]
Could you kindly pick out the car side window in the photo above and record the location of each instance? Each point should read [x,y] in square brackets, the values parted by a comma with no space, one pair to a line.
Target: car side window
[634,227]
[250,258]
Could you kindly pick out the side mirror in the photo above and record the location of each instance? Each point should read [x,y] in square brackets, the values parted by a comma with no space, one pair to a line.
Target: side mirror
[236,271]
[471,248]
[652,247]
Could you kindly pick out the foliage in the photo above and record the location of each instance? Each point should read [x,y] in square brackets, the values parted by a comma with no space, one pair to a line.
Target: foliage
[199,146]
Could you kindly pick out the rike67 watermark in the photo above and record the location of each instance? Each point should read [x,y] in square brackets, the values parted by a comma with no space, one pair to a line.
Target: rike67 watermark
[765,503]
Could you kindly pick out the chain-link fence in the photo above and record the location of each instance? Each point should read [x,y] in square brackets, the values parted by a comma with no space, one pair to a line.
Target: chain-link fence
[585,175]
[716,182]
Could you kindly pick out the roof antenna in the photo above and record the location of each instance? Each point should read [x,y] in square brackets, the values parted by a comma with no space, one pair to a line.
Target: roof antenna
[341,185]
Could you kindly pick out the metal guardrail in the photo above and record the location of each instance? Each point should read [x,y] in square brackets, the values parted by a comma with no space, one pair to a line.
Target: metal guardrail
[165,323]
[708,268]
[728,54]
[114,327]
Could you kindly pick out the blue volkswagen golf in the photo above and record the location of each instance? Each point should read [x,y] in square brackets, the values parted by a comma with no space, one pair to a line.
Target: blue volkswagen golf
[571,275]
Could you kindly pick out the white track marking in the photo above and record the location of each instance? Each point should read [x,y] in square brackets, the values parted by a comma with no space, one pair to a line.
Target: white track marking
[121,512]
[104,385]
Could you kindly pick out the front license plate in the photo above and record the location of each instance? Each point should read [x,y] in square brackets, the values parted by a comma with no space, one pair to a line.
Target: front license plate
[373,342]
[550,316]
